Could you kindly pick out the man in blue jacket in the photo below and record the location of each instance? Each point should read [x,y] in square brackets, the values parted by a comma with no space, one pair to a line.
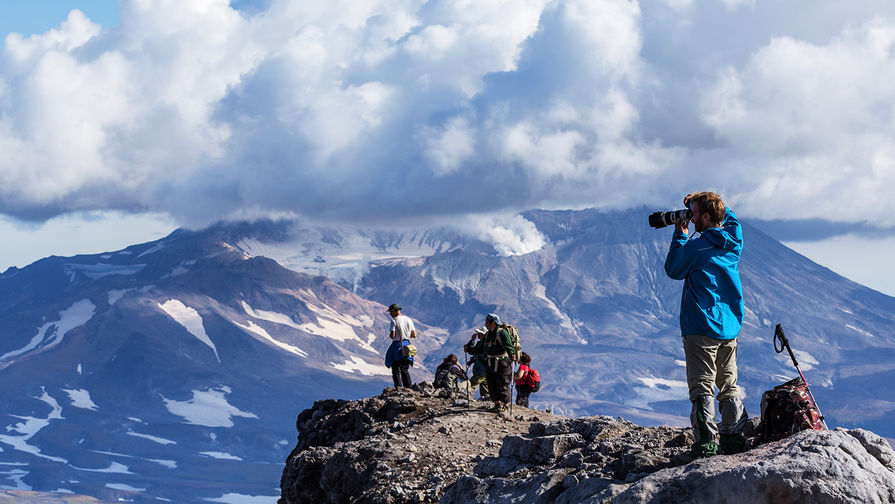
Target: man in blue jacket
[711,318]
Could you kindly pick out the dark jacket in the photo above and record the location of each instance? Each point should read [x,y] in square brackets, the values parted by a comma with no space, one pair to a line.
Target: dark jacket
[443,375]
[494,345]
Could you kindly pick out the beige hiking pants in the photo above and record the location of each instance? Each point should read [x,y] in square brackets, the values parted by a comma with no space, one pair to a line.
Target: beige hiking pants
[711,362]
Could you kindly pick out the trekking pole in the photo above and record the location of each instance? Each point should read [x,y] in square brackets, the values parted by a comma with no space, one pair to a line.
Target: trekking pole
[512,386]
[466,372]
[784,343]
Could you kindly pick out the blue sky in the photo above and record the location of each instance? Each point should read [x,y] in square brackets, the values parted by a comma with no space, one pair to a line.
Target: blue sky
[39,16]
[123,120]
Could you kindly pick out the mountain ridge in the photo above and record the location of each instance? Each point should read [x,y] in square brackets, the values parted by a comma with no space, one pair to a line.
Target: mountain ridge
[109,357]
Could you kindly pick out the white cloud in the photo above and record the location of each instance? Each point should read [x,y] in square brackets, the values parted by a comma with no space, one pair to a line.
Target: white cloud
[814,123]
[329,109]
[448,148]
[509,234]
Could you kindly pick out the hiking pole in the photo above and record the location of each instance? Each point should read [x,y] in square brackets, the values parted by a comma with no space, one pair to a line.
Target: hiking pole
[784,343]
[512,386]
[466,372]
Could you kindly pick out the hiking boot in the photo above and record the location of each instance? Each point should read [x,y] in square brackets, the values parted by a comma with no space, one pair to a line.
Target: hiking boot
[732,443]
[703,450]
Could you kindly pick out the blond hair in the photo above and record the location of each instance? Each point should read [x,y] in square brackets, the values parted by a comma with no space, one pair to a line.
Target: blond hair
[711,204]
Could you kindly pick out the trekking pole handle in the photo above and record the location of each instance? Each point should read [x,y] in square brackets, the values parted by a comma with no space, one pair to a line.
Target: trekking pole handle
[784,343]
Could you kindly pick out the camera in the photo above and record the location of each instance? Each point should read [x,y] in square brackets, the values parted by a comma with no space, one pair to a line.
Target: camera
[662,219]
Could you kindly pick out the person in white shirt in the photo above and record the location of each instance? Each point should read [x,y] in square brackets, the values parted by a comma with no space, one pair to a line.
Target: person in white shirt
[401,329]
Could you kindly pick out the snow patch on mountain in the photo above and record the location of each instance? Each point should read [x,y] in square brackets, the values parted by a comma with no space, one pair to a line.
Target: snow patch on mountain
[256,329]
[180,269]
[656,390]
[330,323]
[190,319]
[124,488]
[16,476]
[363,367]
[860,331]
[235,498]
[159,440]
[51,333]
[116,294]
[343,255]
[207,407]
[540,292]
[30,427]
[806,360]
[219,455]
[340,326]
[270,316]
[170,464]
[155,248]
[99,270]
[80,398]
[114,468]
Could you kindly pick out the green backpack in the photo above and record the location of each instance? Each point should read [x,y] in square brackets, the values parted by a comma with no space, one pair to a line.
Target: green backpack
[516,351]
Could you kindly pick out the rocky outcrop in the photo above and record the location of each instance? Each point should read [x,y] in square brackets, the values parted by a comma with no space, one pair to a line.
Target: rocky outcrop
[419,446]
[821,467]
[599,460]
[404,445]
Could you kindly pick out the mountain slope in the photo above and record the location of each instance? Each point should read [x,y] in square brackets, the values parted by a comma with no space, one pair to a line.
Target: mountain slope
[172,369]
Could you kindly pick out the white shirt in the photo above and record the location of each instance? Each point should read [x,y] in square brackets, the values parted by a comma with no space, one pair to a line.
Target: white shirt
[402,326]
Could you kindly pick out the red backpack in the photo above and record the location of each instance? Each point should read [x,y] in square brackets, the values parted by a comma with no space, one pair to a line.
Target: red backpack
[787,409]
[533,379]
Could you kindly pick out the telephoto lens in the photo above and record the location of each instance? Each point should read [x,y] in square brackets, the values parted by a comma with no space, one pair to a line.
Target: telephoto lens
[662,219]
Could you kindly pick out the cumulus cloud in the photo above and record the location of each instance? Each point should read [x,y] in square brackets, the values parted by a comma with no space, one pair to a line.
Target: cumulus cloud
[509,234]
[814,124]
[360,110]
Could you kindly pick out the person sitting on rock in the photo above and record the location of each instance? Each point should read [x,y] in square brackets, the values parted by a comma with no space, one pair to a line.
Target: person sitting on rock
[448,374]
[479,365]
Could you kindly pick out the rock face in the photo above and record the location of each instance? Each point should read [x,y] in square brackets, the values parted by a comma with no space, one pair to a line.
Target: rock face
[821,467]
[404,445]
[417,446]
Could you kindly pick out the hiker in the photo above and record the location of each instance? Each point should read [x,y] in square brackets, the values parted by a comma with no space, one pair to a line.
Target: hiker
[711,318]
[523,389]
[400,330]
[499,372]
[479,365]
[448,374]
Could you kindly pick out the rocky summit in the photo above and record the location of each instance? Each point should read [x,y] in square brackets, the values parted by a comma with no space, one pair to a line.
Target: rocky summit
[425,445]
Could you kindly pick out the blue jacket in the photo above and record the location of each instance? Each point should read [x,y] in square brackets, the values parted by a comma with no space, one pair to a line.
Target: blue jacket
[712,300]
[395,353]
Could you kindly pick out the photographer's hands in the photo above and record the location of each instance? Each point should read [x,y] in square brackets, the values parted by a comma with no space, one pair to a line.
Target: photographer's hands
[684,226]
